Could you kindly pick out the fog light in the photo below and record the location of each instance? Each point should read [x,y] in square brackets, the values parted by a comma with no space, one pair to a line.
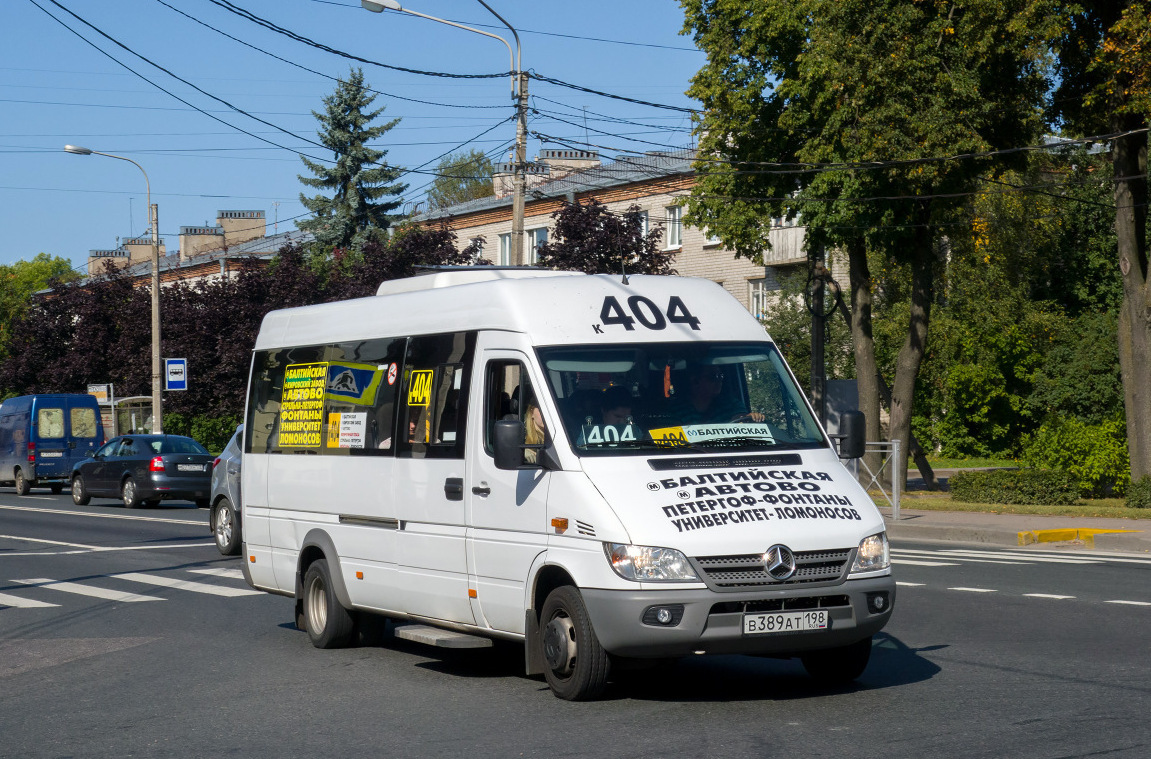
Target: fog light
[663,616]
[878,602]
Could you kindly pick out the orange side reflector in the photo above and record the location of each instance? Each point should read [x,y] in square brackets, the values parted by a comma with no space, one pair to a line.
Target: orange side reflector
[560,523]
[252,559]
[359,575]
[472,593]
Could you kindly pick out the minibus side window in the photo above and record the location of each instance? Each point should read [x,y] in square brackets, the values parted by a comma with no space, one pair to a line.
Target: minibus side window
[434,399]
[262,430]
[363,382]
[50,423]
[508,394]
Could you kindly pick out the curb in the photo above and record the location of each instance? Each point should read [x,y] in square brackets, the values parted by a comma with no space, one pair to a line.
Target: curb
[1099,539]
[1086,535]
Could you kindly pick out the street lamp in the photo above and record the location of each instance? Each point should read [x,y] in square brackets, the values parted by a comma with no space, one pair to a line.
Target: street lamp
[519,94]
[154,218]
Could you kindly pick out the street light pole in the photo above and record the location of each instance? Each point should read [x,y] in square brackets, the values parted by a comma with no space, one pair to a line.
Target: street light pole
[154,218]
[519,95]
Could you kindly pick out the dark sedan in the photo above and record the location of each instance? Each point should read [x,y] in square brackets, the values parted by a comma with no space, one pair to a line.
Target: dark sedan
[143,470]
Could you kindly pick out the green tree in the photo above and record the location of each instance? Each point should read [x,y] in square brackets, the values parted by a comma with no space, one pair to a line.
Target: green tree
[461,177]
[18,283]
[592,239]
[836,111]
[1105,87]
[365,189]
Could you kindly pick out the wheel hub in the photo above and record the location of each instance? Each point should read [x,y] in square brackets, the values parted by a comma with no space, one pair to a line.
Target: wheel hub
[560,645]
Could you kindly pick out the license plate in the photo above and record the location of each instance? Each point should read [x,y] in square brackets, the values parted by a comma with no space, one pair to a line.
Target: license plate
[189,467]
[51,454]
[784,622]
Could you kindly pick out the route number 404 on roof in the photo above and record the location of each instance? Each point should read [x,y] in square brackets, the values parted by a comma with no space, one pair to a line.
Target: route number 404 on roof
[646,312]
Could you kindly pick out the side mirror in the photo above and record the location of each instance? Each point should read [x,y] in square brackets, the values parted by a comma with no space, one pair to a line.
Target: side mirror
[853,429]
[508,439]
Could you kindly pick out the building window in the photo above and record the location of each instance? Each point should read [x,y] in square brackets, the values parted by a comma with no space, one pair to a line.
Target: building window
[711,239]
[506,249]
[757,297]
[478,246]
[674,227]
[536,238]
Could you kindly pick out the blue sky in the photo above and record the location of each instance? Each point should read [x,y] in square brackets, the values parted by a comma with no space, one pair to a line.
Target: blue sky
[56,88]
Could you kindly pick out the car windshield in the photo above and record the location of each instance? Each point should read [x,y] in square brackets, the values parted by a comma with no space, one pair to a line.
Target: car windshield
[676,396]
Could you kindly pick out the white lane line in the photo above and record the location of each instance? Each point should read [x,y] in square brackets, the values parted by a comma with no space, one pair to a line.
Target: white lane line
[49,542]
[232,574]
[23,603]
[195,587]
[975,590]
[910,584]
[1130,603]
[106,516]
[1046,595]
[87,590]
[978,557]
[924,563]
[95,549]
[1025,557]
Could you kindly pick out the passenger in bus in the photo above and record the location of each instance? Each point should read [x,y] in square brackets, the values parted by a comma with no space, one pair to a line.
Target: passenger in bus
[706,401]
[535,432]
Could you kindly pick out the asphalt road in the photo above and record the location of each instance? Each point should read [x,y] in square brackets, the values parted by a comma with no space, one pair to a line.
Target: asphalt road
[991,653]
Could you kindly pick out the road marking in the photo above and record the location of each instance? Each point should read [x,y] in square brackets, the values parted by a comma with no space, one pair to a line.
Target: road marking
[987,557]
[925,563]
[23,603]
[49,542]
[910,584]
[105,516]
[87,590]
[195,587]
[1041,559]
[1130,603]
[232,574]
[96,549]
[1046,595]
[975,590]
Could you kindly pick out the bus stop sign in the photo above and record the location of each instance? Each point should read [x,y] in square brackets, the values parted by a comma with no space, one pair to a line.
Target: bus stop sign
[175,374]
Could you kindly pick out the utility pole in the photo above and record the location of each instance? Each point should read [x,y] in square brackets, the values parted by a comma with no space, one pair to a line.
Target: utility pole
[519,181]
[157,410]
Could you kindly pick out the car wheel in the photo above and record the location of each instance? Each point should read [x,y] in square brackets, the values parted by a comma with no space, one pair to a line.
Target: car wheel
[226,528]
[22,486]
[575,664]
[329,624]
[80,495]
[130,495]
[838,666]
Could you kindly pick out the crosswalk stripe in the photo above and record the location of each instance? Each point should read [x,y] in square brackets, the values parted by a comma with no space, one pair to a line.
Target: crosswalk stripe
[924,563]
[910,584]
[975,590]
[87,590]
[195,587]
[232,574]
[1024,557]
[23,603]
[1130,603]
[1047,595]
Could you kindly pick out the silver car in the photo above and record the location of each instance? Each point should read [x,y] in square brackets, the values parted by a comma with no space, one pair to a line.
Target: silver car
[225,497]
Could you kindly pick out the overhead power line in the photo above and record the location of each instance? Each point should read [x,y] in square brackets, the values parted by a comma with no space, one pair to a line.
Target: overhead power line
[570,86]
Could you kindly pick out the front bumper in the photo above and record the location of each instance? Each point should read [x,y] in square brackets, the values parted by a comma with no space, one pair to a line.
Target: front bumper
[712,622]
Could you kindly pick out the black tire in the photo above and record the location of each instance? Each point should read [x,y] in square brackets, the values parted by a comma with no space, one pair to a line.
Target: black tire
[226,528]
[329,624]
[57,489]
[22,486]
[202,503]
[80,495]
[838,666]
[130,494]
[575,665]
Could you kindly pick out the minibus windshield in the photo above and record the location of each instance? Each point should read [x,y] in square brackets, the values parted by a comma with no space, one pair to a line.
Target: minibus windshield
[673,397]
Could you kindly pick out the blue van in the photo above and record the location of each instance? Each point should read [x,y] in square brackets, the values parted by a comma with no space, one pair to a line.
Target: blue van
[42,436]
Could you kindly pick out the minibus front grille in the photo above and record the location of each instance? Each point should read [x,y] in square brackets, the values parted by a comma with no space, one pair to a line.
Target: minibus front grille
[747,571]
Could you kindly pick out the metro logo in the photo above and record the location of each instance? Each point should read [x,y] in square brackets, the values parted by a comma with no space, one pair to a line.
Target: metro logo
[420,388]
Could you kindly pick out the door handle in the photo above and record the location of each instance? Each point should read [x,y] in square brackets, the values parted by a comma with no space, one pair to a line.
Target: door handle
[484,491]
[454,488]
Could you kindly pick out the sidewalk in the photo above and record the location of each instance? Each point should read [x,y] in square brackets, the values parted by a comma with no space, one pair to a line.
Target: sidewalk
[1092,533]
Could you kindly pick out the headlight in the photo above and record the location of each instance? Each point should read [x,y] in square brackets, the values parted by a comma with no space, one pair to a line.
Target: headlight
[649,564]
[873,554]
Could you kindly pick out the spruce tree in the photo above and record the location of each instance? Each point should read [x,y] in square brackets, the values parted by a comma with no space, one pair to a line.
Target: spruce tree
[366,191]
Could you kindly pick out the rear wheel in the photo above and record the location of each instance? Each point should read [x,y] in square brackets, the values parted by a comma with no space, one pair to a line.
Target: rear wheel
[226,528]
[838,666]
[329,624]
[130,495]
[575,664]
[80,495]
[22,486]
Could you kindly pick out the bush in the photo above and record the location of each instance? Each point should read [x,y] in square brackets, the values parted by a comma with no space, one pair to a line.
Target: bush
[1139,494]
[1096,454]
[1040,487]
[211,432]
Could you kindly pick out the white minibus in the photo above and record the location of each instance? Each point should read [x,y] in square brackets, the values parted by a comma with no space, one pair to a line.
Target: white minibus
[606,468]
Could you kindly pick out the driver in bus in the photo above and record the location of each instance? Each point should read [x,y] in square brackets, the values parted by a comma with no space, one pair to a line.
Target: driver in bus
[706,402]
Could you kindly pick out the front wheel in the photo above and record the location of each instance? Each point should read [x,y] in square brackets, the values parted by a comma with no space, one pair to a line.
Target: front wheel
[130,494]
[838,666]
[226,528]
[329,624]
[22,486]
[575,664]
[80,495]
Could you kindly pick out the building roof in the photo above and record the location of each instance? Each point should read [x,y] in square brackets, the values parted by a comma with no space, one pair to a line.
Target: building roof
[623,171]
